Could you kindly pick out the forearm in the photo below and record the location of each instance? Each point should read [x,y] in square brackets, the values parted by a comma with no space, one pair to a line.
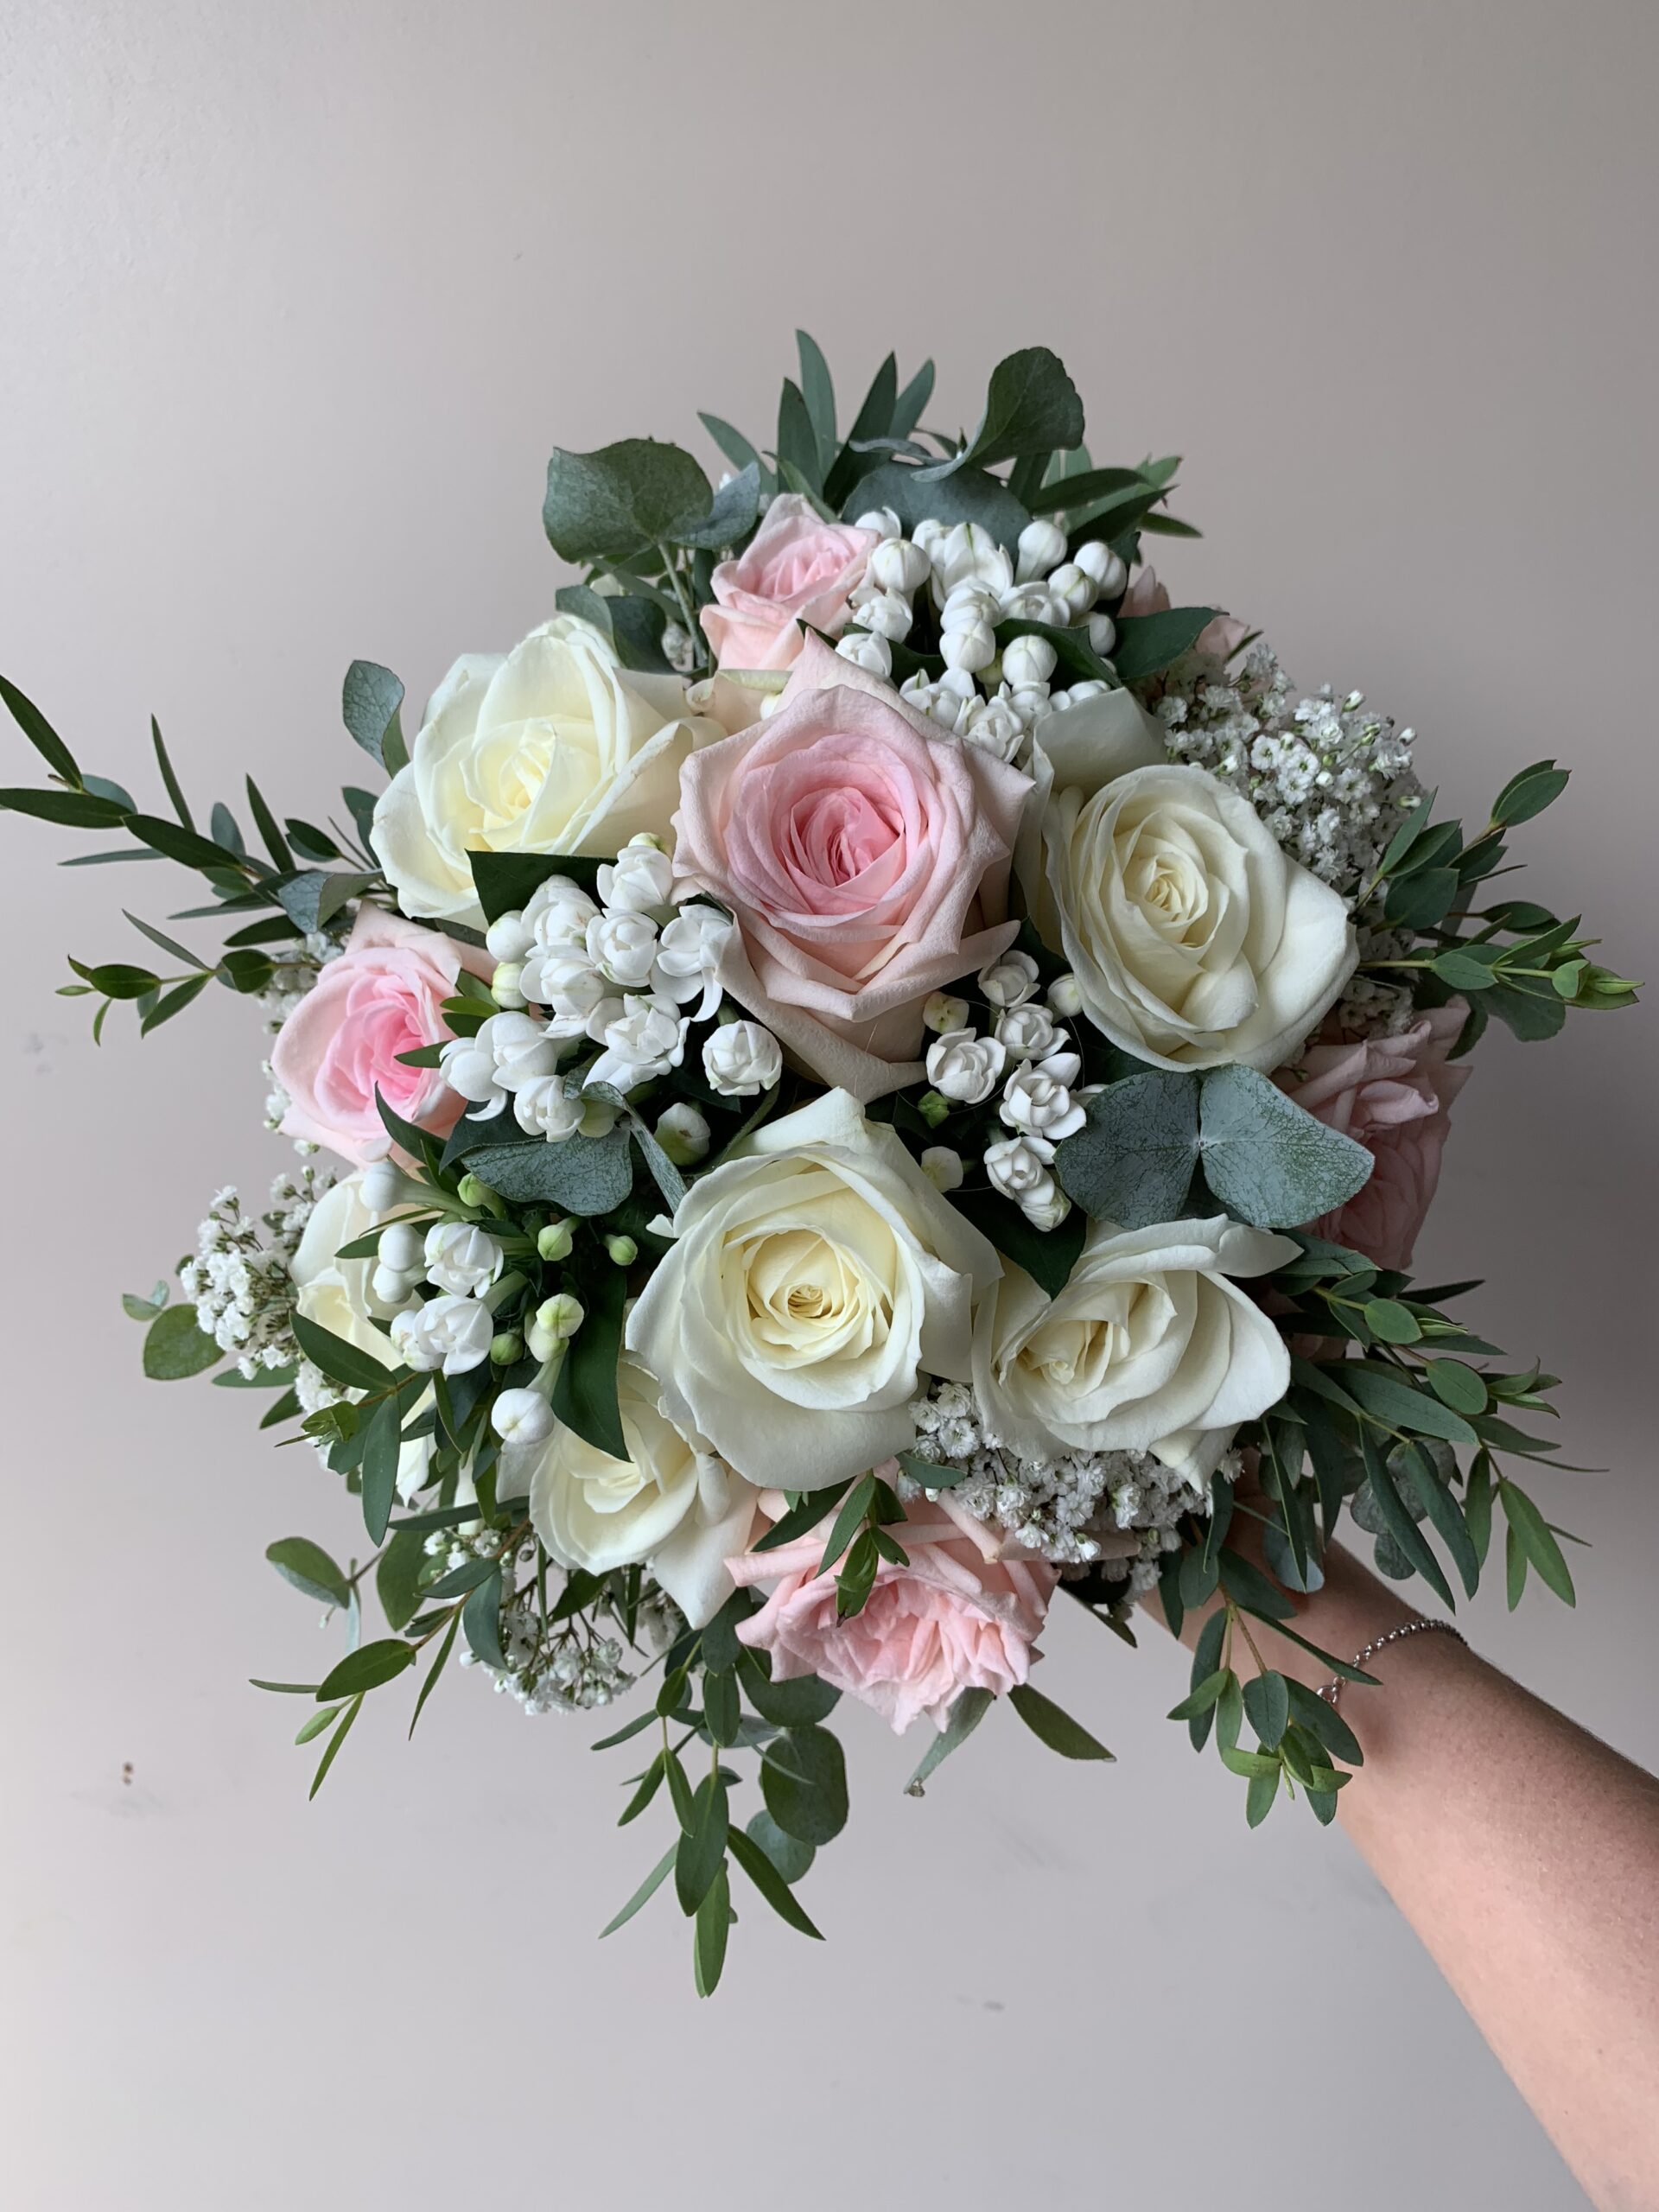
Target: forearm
[1525,1855]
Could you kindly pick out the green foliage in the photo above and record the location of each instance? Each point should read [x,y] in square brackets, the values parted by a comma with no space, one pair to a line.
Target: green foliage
[175,1347]
[309,1568]
[626,498]
[1262,1157]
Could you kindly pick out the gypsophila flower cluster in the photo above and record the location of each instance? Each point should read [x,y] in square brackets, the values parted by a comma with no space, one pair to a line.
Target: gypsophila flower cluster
[1074,1508]
[238,1279]
[1331,778]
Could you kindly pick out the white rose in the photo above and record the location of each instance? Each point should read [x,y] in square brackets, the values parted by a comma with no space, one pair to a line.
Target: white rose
[1196,942]
[812,1280]
[447,1332]
[669,1503]
[340,1296]
[964,1066]
[1151,1346]
[641,879]
[553,747]
[741,1059]
[462,1258]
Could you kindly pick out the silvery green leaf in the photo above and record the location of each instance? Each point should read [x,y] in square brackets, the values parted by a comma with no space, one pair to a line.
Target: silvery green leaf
[581,1175]
[1133,1162]
[607,505]
[369,699]
[1268,1161]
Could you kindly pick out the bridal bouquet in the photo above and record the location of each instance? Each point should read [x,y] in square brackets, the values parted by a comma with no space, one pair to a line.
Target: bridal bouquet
[879,1073]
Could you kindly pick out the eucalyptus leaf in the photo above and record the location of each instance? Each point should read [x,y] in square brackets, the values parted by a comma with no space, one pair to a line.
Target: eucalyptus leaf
[175,1347]
[607,505]
[1132,1163]
[370,700]
[1269,1162]
[579,1175]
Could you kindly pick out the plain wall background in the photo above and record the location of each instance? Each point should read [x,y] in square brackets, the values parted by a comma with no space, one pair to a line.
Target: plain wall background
[296,301]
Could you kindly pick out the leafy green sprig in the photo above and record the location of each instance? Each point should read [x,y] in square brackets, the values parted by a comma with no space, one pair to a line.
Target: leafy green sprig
[292,889]
[1515,959]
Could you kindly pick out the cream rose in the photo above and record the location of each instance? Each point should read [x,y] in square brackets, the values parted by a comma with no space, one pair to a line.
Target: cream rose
[339,1295]
[812,1279]
[554,748]
[1195,941]
[670,1502]
[1151,1346]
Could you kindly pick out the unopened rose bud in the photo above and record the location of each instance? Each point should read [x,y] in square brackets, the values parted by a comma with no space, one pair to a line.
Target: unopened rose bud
[1097,559]
[504,986]
[683,1134]
[623,1250]
[1041,546]
[1065,995]
[506,1347]
[1102,634]
[554,1241]
[942,1166]
[1076,587]
[1027,661]
[943,1012]
[972,647]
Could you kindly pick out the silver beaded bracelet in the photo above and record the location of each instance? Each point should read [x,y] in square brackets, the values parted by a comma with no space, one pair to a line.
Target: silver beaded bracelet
[1332,1690]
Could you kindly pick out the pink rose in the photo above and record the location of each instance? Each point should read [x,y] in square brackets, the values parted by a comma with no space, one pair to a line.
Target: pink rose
[1221,639]
[340,1044]
[796,569]
[1394,1096]
[963,1615]
[864,854]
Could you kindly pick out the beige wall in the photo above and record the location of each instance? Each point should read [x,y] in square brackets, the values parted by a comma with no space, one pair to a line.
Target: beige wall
[295,299]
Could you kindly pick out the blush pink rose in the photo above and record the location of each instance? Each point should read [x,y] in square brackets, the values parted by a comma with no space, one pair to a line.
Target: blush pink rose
[1221,637]
[864,854]
[340,1044]
[796,569]
[963,1615]
[1394,1096]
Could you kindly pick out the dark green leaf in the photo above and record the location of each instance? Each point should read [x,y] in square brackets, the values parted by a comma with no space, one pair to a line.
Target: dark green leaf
[1031,406]
[1267,1703]
[1054,1727]
[1148,643]
[713,1925]
[184,845]
[819,390]
[379,1468]
[1391,1399]
[332,1748]
[808,1799]
[966,496]
[908,408]
[1530,793]
[396,1577]
[798,1702]
[1537,1540]
[175,1347]
[371,699]
[729,519]
[40,733]
[1047,1256]
[792,1860]
[581,1175]
[757,1864]
[73,809]
[480,1622]
[309,1568]
[366,1668]
[647,1890]
[584,1390]
[607,505]
[340,1362]
[1400,1526]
